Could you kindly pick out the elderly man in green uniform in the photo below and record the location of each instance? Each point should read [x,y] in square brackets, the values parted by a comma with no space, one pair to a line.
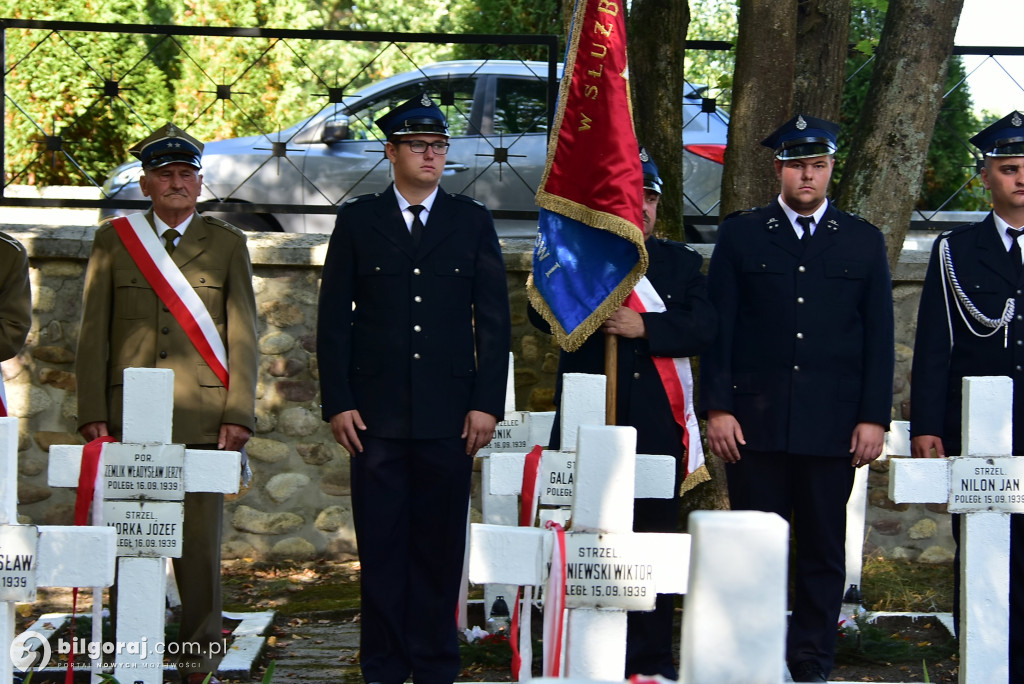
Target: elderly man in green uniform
[15,303]
[202,326]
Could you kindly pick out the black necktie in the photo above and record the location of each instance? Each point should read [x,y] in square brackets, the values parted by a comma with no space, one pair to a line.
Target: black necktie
[806,222]
[170,235]
[417,225]
[1015,255]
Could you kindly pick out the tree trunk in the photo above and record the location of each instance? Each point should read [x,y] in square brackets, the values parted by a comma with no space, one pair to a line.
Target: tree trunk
[882,178]
[657,31]
[762,95]
[822,34]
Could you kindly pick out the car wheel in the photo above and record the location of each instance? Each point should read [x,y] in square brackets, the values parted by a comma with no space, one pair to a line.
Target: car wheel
[249,222]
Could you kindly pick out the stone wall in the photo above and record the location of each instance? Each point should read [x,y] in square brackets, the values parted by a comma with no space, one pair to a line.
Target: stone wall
[298,504]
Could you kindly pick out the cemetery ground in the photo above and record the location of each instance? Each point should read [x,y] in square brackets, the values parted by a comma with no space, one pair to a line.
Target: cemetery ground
[315,633]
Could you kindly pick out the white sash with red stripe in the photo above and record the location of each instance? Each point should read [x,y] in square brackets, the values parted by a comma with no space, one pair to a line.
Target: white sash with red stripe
[677,378]
[3,398]
[173,289]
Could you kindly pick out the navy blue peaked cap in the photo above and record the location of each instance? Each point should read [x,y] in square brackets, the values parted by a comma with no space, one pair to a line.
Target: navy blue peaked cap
[652,181]
[802,137]
[1004,138]
[418,115]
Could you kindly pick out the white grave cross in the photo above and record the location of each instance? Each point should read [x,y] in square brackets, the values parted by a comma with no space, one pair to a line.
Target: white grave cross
[148,409]
[609,568]
[986,485]
[583,399]
[45,556]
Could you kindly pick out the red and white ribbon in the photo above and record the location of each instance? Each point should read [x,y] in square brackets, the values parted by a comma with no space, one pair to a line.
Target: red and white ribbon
[174,290]
[677,377]
[554,605]
[3,398]
[519,631]
[88,492]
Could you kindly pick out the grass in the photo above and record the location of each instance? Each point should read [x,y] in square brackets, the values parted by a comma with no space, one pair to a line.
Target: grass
[896,585]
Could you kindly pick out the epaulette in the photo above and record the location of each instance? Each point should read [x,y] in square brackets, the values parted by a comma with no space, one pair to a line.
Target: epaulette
[467,198]
[221,223]
[361,198]
[741,212]
[676,244]
[14,243]
[959,229]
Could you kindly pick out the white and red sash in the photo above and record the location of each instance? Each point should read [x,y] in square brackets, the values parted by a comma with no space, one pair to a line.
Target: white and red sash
[173,289]
[677,377]
[3,398]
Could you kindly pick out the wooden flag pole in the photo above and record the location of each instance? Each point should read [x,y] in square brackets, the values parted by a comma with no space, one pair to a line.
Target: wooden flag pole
[611,368]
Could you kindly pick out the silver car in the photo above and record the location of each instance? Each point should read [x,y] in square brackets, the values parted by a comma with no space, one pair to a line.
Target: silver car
[498,117]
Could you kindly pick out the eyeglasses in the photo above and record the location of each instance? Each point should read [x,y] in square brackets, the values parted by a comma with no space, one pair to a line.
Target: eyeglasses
[420,146]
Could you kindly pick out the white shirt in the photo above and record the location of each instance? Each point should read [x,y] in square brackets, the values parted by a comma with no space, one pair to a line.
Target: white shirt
[1001,226]
[162,227]
[404,204]
[792,215]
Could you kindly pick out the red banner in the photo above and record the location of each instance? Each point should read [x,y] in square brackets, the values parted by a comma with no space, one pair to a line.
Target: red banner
[590,250]
[593,163]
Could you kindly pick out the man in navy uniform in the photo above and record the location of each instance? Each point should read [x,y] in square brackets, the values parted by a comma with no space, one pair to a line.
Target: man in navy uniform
[798,385]
[973,289]
[413,344]
[684,328]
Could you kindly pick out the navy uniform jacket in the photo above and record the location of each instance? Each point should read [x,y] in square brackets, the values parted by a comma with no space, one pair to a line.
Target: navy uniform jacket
[396,337]
[685,328]
[805,347]
[986,274]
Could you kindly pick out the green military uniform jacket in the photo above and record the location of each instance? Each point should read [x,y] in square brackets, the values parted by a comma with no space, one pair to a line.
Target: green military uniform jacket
[125,325]
[15,297]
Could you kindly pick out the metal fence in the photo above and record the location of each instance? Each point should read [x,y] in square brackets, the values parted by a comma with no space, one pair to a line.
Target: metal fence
[242,82]
[118,74]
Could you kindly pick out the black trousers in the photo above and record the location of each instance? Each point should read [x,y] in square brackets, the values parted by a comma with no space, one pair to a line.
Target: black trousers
[410,500]
[649,634]
[811,493]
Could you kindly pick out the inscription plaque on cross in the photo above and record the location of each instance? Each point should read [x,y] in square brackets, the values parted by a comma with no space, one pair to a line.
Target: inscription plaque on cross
[151,476]
[40,556]
[609,568]
[985,485]
[519,431]
[502,477]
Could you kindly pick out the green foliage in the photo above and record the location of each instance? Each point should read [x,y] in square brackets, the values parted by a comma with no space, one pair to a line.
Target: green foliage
[508,17]
[900,643]
[39,66]
[950,163]
[713,20]
[78,100]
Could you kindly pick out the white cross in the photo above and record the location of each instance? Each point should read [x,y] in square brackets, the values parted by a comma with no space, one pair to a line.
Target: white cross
[602,523]
[985,484]
[601,536]
[54,556]
[583,402]
[148,411]
[520,430]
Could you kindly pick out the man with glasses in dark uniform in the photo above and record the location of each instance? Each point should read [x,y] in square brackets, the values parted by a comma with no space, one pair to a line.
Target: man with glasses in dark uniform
[413,344]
